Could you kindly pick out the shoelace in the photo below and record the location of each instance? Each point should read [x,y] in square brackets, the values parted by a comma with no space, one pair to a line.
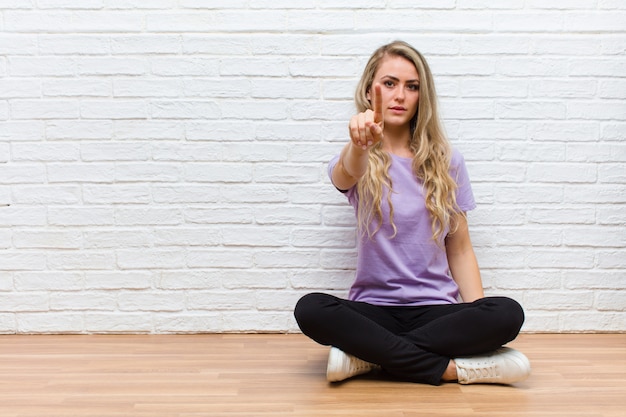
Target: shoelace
[357,364]
[485,370]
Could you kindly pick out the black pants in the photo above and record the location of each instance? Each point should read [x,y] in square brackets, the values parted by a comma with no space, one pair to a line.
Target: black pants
[411,343]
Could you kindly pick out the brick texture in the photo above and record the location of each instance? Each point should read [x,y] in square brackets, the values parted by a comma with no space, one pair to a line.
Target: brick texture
[163,162]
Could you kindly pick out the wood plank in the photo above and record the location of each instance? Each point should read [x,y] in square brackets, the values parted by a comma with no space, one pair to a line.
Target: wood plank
[284,375]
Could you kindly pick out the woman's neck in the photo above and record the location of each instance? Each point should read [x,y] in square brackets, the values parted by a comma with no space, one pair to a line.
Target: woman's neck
[397,143]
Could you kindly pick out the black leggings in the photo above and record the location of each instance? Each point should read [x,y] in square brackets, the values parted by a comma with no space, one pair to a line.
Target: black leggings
[411,343]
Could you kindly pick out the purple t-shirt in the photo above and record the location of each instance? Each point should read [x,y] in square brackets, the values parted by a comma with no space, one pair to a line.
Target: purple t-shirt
[410,268]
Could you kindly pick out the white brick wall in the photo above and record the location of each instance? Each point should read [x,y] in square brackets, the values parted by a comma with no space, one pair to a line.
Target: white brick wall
[162,162]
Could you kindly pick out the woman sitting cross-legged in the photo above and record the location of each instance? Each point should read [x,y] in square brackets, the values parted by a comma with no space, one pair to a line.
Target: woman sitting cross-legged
[416,309]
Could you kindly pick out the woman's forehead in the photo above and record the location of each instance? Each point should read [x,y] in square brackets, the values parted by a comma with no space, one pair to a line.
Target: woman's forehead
[397,67]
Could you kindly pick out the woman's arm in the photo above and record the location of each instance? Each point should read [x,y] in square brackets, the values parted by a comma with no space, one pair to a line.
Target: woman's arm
[366,130]
[463,263]
[351,166]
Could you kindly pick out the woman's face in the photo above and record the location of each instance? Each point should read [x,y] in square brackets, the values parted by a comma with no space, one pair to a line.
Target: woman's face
[399,83]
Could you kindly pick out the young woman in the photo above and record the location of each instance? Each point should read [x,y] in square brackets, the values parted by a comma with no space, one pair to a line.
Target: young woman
[416,309]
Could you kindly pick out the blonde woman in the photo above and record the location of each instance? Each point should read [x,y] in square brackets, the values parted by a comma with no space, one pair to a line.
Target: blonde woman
[416,310]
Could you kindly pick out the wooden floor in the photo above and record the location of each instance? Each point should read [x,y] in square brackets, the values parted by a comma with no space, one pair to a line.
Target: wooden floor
[284,375]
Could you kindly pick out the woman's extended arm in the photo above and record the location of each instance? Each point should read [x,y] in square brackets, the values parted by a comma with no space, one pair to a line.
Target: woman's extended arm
[463,263]
[351,166]
[366,129]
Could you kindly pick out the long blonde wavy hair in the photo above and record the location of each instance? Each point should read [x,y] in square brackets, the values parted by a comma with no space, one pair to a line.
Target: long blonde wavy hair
[429,145]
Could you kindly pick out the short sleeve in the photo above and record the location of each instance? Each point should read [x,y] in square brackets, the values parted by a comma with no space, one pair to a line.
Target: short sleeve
[464,193]
[331,166]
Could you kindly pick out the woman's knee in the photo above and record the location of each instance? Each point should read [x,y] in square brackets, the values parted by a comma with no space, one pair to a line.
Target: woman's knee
[309,309]
[515,310]
[511,314]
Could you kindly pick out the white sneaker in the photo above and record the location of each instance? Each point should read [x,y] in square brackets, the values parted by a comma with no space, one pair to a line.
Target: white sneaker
[343,366]
[503,366]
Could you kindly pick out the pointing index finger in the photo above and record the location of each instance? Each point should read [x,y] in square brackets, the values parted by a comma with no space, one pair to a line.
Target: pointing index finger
[378,104]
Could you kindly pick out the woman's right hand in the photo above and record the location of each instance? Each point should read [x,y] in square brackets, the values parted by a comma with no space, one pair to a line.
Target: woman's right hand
[366,128]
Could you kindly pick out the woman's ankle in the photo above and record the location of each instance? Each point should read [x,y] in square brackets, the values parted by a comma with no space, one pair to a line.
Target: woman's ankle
[450,374]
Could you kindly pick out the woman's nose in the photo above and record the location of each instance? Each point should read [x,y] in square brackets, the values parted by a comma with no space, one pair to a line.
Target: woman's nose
[400,94]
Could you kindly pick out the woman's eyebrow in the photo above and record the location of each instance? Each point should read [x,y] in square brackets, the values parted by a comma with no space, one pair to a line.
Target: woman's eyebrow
[397,79]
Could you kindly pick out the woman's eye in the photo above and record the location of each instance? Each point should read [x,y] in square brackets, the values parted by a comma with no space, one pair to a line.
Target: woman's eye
[414,87]
[388,83]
